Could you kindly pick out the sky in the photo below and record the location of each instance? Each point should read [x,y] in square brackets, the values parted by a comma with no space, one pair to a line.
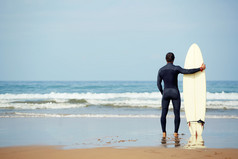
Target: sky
[89,40]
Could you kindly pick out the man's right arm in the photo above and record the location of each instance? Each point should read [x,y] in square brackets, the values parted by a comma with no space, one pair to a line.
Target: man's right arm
[159,80]
[188,71]
[191,71]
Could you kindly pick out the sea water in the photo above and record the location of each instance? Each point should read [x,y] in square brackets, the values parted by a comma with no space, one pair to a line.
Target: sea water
[105,99]
[81,114]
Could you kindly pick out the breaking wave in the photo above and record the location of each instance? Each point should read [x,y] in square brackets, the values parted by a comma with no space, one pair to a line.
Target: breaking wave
[130,99]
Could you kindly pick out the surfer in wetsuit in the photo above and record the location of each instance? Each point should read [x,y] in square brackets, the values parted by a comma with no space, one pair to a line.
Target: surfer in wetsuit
[169,75]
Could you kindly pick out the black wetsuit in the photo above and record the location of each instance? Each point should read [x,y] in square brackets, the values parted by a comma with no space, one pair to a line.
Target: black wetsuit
[169,74]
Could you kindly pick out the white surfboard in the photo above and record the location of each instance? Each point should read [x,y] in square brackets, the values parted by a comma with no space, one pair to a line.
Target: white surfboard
[194,91]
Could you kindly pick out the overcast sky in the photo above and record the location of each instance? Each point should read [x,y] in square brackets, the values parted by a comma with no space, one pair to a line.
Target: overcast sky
[114,39]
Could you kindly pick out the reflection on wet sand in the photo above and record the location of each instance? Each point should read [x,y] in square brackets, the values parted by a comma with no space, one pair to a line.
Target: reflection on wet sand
[170,142]
[195,142]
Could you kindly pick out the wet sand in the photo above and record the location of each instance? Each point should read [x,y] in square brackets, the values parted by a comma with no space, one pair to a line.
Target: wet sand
[113,138]
[80,133]
[45,152]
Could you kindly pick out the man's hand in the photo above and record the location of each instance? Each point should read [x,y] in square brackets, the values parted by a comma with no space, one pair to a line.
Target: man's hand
[203,67]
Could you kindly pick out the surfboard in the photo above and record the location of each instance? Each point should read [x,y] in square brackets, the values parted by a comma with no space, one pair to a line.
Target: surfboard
[194,92]
[195,142]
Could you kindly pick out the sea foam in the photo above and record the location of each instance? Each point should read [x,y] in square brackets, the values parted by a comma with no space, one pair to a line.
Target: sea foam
[39,115]
[129,99]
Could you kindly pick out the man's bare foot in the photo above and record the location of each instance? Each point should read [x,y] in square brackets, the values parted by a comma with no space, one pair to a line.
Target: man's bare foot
[175,134]
[164,134]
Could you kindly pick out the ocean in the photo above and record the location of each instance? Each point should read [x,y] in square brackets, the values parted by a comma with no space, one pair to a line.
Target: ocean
[86,114]
[104,99]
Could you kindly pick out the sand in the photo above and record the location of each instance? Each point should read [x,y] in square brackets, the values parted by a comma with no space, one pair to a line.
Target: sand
[78,133]
[100,138]
[45,152]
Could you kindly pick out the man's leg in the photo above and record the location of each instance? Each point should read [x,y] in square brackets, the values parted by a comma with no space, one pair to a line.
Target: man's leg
[176,105]
[165,106]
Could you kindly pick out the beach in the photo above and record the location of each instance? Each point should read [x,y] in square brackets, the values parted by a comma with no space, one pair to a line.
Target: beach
[104,153]
[78,133]
[106,79]
[111,138]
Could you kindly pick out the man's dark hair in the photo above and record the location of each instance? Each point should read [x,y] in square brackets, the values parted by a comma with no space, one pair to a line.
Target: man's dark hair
[170,57]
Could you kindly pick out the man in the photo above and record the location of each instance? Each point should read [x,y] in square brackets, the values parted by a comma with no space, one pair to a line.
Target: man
[169,75]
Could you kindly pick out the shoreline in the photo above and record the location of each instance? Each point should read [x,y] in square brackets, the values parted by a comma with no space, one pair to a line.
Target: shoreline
[77,133]
[39,152]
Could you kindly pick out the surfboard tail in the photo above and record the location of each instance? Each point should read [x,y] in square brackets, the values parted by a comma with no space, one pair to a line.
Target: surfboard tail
[196,128]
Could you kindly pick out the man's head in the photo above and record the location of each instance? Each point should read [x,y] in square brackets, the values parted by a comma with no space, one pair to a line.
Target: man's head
[170,57]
